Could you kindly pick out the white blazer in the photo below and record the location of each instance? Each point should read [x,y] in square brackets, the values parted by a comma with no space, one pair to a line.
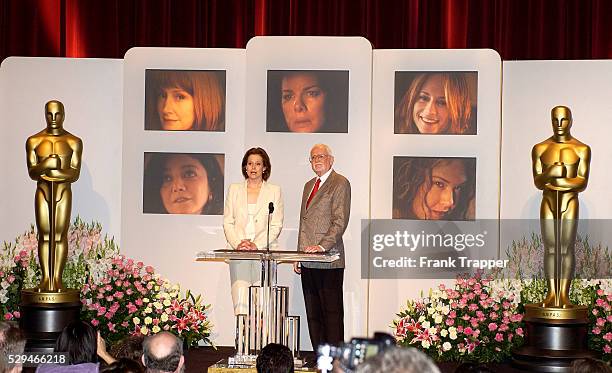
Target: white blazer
[235,215]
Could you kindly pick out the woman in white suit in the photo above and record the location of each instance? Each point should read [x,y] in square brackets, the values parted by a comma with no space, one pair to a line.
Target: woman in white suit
[245,222]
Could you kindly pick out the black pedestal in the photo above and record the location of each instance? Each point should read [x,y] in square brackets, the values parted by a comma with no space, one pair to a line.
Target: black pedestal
[43,323]
[552,345]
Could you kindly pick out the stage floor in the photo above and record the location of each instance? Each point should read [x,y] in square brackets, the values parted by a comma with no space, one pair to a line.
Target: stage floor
[199,359]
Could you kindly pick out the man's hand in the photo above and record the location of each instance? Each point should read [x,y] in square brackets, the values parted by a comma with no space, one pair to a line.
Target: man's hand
[313,249]
[296,268]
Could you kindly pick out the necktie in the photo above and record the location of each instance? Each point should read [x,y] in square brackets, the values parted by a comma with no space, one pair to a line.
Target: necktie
[314,191]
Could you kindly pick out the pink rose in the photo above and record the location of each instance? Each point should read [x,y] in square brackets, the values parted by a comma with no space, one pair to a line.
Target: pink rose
[149,269]
[492,326]
[596,330]
[608,336]
[468,331]
[499,337]
[607,349]
[519,331]
[8,316]
[95,322]
[17,315]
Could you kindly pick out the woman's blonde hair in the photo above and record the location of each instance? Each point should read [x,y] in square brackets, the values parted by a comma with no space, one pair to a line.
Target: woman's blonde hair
[456,91]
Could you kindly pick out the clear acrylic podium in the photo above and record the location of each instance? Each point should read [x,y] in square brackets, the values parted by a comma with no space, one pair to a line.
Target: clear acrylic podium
[268,320]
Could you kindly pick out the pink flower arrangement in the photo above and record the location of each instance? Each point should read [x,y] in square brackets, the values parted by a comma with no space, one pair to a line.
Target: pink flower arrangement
[600,333]
[473,321]
[132,299]
[120,296]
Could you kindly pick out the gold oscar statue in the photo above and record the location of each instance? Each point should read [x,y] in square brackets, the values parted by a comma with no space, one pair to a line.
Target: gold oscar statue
[561,171]
[556,330]
[54,162]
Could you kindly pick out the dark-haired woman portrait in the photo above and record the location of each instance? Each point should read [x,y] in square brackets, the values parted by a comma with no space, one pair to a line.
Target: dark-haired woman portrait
[185,100]
[245,221]
[183,183]
[307,101]
[437,103]
[434,188]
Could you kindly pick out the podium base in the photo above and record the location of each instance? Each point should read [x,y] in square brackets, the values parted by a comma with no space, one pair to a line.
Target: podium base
[552,344]
[42,323]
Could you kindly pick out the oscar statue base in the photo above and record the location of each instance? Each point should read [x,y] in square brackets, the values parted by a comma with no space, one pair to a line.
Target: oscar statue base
[554,338]
[45,314]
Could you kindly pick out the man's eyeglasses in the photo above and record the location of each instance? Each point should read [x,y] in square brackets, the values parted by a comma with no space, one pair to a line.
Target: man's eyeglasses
[318,157]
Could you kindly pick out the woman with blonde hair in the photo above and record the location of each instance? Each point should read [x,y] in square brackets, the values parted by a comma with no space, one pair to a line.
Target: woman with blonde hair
[185,100]
[436,103]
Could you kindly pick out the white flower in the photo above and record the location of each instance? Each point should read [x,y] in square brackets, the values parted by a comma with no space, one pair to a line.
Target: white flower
[164,317]
[446,346]
[155,329]
[148,320]
[144,330]
[167,302]
[443,333]
[433,331]
[421,319]
[425,344]
[136,320]
[438,319]
[426,325]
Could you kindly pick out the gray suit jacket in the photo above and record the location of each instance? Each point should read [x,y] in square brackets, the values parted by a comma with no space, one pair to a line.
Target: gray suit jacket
[326,218]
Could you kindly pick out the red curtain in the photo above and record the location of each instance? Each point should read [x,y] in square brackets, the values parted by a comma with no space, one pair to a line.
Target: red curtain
[517,29]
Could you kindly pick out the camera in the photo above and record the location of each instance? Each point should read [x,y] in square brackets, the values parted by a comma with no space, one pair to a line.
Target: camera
[350,355]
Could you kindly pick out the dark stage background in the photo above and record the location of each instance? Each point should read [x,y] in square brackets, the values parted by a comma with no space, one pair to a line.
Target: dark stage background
[517,29]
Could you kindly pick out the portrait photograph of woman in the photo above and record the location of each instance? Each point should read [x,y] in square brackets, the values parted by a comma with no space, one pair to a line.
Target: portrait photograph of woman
[435,103]
[428,188]
[184,100]
[307,101]
[183,183]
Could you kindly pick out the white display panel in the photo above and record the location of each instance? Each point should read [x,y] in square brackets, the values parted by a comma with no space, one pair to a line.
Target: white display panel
[386,297]
[91,91]
[289,151]
[531,90]
[170,242]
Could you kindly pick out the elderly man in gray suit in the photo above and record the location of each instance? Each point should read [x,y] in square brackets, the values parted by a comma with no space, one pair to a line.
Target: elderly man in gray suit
[326,206]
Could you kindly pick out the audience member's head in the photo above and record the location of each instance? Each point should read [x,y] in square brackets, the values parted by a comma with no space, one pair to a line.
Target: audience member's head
[12,342]
[472,368]
[163,352]
[275,358]
[398,360]
[123,365]
[129,347]
[590,366]
[79,341]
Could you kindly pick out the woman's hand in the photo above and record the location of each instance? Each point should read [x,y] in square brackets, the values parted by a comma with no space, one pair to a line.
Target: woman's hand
[101,350]
[246,245]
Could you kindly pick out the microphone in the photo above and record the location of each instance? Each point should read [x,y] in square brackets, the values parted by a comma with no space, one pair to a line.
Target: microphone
[270,211]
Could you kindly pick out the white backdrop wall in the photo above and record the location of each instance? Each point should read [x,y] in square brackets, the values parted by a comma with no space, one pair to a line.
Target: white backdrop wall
[170,242]
[91,90]
[387,296]
[531,90]
[289,152]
